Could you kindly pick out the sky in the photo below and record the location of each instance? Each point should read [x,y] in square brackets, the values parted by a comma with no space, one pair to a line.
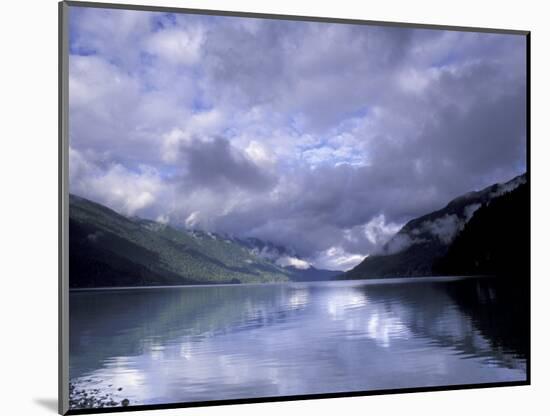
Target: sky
[325,138]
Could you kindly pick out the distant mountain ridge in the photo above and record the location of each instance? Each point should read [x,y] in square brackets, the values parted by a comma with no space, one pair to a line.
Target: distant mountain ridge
[423,241]
[107,249]
[287,258]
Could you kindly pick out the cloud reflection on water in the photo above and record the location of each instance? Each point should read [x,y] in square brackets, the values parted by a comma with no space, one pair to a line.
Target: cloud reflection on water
[191,344]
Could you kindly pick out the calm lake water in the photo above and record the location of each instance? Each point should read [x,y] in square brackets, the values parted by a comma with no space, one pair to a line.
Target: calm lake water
[184,344]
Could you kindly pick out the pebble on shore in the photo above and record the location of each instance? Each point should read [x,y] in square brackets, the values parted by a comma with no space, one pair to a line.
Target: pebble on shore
[92,398]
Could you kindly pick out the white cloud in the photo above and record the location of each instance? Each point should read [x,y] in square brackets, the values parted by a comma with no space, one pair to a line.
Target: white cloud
[336,258]
[322,137]
[171,143]
[260,154]
[192,220]
[378,231]
[115,186]
[399,243]
[176,46]
[414,81]
[444,228]
[286,261]
[163,219]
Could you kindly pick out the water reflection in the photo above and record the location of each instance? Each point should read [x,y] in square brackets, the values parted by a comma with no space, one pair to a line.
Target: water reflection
[226,342]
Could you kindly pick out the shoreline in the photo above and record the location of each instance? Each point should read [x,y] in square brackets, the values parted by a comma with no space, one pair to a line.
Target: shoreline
[369,281]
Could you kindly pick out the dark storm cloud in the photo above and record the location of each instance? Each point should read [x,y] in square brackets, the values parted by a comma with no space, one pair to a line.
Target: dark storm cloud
[305,70]
[215,164]
[457,150]
[322,137]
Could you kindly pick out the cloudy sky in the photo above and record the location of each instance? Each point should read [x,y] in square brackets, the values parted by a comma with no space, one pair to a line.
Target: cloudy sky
[322,137]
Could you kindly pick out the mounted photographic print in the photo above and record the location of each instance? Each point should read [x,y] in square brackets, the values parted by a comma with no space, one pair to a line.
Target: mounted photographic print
[263,208]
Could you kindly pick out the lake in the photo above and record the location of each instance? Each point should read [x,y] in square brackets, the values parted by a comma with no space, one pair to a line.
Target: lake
[197,343]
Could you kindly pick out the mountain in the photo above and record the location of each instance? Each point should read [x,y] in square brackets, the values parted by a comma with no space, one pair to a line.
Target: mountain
[419,247]
[311,274]
[494,241]
[109,249]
